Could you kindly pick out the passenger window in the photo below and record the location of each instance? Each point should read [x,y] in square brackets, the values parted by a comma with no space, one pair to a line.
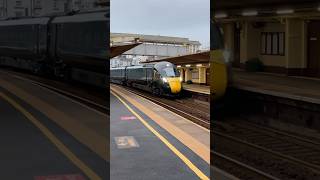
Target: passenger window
[149,74]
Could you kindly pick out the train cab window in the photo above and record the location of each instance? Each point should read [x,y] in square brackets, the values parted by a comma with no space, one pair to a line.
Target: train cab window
[216,38]
[167,70]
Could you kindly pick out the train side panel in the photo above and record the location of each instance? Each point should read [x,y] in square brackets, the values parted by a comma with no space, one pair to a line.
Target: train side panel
[140,77]
[81,41]
[118,75]
[23,43]
[80,51]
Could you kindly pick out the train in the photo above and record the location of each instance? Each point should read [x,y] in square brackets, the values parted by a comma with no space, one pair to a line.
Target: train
[69,46]
[161,78]
[220,63]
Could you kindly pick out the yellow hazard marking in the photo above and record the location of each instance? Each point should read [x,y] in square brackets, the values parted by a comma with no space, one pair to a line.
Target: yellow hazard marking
[196,170]
[70,155]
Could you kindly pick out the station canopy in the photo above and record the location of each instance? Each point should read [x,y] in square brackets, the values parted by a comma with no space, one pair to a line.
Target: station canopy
[120,49]
[202,57]
[228,5]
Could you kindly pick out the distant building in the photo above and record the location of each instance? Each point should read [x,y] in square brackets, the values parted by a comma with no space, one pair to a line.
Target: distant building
[20,8]
[127,60]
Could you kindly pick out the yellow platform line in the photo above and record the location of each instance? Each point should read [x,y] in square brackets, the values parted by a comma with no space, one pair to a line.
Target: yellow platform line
[194,168]
[70,155]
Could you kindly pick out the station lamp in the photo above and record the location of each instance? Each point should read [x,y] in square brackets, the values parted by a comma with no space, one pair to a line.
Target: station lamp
[250,13]
[188,65]
[178,66]
[221,15]
[199,65]
[285,11]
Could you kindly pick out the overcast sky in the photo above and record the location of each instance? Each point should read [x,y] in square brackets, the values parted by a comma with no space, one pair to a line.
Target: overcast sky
[182,18]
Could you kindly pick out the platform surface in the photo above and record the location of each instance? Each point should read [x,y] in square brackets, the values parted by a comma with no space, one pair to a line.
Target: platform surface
[202,89]
[148,142]
[292,87]
[46,135]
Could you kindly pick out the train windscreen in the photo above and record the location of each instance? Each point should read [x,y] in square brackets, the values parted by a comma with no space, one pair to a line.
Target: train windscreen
[216,38]
[167,70]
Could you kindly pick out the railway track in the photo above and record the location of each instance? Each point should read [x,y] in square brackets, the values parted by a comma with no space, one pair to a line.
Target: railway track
[243,171]
[101,108]
[286,151]
[68,91]
[189,111]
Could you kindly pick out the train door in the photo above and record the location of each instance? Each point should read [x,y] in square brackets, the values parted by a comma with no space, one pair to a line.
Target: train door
[149,75]
[156,82]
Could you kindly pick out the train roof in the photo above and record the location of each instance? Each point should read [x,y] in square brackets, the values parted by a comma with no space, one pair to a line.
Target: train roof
[115,68]
[24,21]
[83,17]
[141,66]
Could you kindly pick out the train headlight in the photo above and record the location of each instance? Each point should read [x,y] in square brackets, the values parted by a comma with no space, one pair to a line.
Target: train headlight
[165,80]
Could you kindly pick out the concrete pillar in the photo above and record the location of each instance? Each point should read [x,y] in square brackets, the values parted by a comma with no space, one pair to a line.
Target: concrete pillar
[202,75]
[295,45]
[253,42]
[249,42]
[228,31]
[181,70]
[243,42]
[188,75]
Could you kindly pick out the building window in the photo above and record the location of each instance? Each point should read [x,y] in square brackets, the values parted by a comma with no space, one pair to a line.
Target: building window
[18,3]
[195,74]
[273,43]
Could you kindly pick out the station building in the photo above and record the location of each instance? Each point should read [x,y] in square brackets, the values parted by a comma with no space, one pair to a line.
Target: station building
[23,8]
[192,67]
[284,35]
[156,45]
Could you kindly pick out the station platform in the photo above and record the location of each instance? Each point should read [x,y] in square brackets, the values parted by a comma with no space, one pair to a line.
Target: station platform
[48,136]
[291,87]
[149,142]
[197,88]
[218,174]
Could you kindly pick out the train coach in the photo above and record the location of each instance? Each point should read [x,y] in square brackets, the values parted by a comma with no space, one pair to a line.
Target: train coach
[71,46]
[161,78]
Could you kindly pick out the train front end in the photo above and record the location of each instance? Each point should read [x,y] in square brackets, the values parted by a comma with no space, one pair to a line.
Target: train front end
[169,78]
[221,73]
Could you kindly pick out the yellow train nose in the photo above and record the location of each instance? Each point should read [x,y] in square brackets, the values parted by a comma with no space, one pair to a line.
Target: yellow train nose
[218,73]
[175,85]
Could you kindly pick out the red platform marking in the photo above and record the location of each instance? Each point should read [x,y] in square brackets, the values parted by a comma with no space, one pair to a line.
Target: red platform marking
[127,118]
[60,177]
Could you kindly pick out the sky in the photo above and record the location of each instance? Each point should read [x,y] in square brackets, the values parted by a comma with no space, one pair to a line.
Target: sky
[181,18]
